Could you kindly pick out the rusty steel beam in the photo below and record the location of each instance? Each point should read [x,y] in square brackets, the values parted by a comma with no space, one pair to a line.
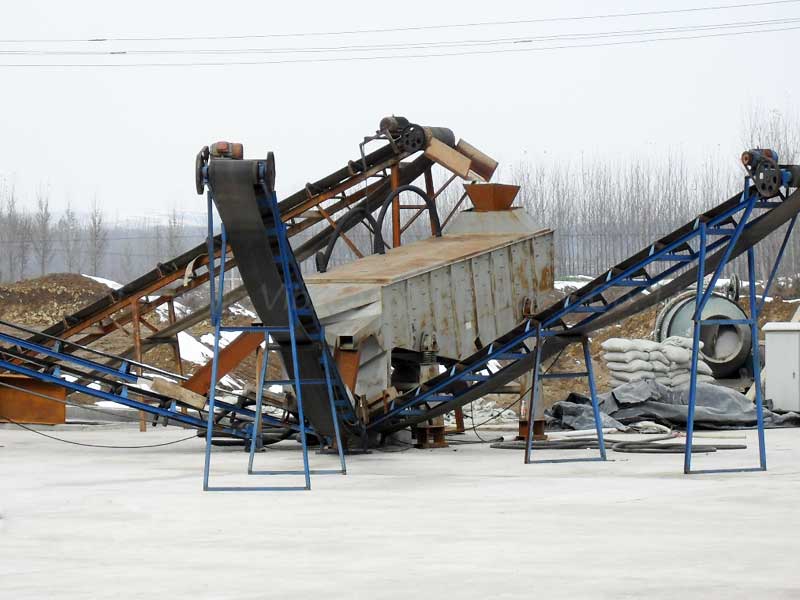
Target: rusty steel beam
[317,199]
[229,357]
[396,233]
[124,306]
[344,202]
[348,362]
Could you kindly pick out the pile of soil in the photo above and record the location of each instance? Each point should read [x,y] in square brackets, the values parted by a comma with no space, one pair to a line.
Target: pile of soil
[43,301]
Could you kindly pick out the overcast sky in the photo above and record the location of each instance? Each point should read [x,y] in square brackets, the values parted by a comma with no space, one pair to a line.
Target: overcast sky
[129,135]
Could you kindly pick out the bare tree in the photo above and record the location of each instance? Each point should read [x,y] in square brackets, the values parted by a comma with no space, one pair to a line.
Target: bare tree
[24,240]
[96,238]
[43,246]
[175,233]
[17,236]
[69,237]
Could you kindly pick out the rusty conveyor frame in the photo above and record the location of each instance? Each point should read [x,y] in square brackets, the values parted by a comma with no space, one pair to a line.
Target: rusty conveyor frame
[324,201]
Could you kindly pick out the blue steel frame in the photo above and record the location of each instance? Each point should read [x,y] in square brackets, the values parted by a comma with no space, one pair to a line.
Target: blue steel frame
[541,338]
[216,310]
[125,380]
[678,254]
[750,200]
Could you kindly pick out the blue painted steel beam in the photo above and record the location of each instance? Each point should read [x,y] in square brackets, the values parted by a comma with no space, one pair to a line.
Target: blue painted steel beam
[120,399]
[572,307]
[88,364]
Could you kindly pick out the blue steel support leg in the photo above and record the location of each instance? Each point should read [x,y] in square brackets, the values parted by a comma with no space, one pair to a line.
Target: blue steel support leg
[283,246]
[751,272]
[701,270]
[216,319]
[598,423]
[533,398]
[774,270]
[334,415]
[262,373]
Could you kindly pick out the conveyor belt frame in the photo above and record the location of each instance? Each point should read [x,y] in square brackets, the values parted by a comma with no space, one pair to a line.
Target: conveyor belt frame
[216,304]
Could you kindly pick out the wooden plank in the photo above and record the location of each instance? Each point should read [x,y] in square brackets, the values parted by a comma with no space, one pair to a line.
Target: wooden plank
[449,158]
[175,391]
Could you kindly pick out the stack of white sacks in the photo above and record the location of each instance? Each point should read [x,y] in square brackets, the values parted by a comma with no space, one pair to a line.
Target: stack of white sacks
[668,362]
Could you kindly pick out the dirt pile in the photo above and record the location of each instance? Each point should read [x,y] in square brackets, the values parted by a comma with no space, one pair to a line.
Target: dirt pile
[43,301]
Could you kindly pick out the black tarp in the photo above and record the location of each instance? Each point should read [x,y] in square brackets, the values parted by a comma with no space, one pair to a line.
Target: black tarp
[717,407]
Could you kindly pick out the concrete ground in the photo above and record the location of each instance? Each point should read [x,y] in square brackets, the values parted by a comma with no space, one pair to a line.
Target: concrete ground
[464,522]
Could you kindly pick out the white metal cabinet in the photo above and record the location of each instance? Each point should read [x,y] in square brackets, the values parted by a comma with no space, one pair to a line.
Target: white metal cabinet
[783,365]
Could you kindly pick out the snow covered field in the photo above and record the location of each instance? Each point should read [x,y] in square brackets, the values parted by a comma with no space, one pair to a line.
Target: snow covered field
[463,522]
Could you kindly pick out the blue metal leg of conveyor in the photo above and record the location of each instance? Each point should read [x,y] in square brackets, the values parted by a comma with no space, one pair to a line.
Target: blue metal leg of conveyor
[752,322]
[538,376]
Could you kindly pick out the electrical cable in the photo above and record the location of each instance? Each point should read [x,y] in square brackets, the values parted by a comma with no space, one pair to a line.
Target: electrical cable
[122,417]
[512,405]
[648,446]
[58,439]
[393,57]
[182,38]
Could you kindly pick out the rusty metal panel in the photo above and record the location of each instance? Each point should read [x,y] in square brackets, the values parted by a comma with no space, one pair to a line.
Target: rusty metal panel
[523,275]
[544,261]
[484,297]
[455,287]
[464,306]
[444,310]
[420,308]
[502,289]
[396,319]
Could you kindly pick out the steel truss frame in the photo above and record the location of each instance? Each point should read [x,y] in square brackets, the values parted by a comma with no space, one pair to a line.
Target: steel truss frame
[121,381]
[710,233]
[750,201]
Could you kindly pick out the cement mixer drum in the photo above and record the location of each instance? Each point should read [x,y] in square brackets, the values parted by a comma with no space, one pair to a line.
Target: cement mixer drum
[725,347]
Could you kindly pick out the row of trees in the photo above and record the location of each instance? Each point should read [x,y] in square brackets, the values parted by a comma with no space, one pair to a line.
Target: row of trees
[31,239]
[603,211]
[34,240]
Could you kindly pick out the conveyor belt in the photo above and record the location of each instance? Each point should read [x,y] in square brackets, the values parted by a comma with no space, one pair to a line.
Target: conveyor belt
[237,196]
[175,267]
[471,378]
[243,203]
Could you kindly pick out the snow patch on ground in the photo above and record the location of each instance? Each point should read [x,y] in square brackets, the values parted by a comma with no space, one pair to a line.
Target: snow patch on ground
[239,310]
[199,353]
[108,282]
[181,310]
[225,338]
[193,350]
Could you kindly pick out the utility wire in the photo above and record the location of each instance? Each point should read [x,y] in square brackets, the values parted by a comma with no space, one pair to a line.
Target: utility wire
[58,439]
[394,57]
[517,401]
[85,407]
[181,38]
[406,45]
[68,403]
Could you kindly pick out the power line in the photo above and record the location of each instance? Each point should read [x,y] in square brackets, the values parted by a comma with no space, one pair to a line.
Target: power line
[405,45]
[62,440]
[86,407]
[177,38]
[396,57]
